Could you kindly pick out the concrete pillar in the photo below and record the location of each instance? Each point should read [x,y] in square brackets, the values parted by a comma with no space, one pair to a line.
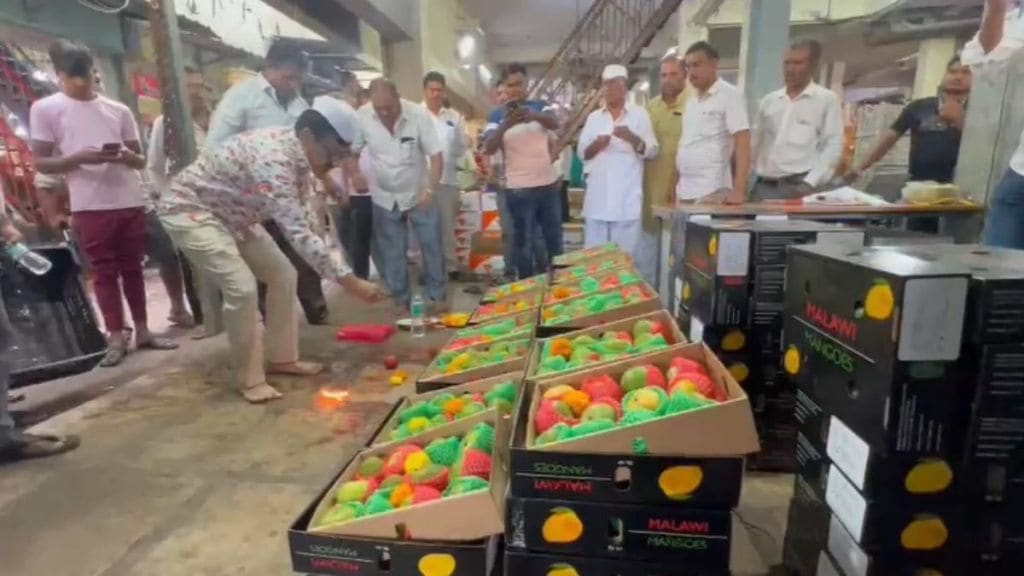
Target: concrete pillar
[837,77]
[932,57]
[178,127]
[763,45]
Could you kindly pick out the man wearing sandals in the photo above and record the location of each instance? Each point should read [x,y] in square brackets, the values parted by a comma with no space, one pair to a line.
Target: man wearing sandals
[212,209]
[14,444]
[94,142]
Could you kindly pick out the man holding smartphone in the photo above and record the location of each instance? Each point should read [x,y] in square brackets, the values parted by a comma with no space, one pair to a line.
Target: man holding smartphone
[100,156]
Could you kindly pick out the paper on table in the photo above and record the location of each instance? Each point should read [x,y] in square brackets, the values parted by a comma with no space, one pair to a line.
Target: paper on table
[845,196]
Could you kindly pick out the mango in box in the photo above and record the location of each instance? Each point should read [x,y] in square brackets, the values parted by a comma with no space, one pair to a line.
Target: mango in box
[518,327]
[426,415]
[591,285]
[456,361]
[643,393]
[598,303]
[587,270]
[412,474]
[563,354]
[509,306]
[580,255]
[511,289]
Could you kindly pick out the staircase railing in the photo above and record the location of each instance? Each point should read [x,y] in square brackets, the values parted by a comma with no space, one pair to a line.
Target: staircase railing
[610,32]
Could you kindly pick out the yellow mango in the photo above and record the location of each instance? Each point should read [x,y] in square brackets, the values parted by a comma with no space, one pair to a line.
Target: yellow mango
[680,482]
[924,533]
[929,477]
[563,526]
[437,565]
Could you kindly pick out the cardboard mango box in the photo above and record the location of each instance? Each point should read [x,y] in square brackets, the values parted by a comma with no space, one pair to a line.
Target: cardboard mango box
[331,554]
[524,287]
[383,436]
[468,517]
[587,255]
[698,537]
[725,429]
[526,326]
[649,303]
[716,300]
[590,267]
[806,530]
[596,477]
[913,408]
[521,563]
[433,378]
[670,331]
[851,560]
[513,306]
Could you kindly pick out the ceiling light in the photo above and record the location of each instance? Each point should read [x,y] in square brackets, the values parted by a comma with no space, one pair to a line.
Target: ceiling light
[466,46]
[485,73]
[644,86]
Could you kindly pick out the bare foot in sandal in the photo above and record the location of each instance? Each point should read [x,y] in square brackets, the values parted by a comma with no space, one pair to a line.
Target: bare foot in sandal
[114,356]
[261,393]
[296,369]
[150,342]
[31,446]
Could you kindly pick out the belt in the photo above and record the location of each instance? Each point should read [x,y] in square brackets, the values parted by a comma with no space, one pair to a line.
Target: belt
[784,181]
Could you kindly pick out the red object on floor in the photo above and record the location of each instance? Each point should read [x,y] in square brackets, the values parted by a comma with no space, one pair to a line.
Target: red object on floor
[366,333]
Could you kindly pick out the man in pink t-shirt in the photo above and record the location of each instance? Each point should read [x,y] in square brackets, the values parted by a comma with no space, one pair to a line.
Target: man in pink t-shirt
[100,156]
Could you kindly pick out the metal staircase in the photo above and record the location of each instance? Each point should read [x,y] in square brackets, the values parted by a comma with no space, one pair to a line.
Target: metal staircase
[611,32]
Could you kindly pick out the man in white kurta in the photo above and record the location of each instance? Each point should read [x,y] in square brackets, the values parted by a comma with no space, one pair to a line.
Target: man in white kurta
[616,140]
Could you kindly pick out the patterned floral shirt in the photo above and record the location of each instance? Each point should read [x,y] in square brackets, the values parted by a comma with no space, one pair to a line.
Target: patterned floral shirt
[256,176]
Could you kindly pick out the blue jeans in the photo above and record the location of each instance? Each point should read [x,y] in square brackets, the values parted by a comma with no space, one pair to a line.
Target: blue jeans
[391,241]
[534,208]
[1004,227]
[508,239]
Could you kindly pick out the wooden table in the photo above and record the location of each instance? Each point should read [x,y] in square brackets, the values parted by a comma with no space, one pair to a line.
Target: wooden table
[961,222]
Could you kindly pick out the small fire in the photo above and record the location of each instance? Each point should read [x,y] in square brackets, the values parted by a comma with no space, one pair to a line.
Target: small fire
[331,398]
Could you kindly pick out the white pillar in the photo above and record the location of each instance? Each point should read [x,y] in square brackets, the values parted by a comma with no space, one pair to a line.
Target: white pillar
[838,75]
[932,57]
[763,45]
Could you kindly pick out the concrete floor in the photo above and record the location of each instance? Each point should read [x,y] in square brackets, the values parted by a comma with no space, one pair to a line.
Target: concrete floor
[177,475]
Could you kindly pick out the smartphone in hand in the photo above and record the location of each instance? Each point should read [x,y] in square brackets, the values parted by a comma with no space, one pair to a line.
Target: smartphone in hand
[111,148]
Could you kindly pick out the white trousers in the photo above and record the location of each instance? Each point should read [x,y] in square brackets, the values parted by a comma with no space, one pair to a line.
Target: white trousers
[234,268]
[625,234]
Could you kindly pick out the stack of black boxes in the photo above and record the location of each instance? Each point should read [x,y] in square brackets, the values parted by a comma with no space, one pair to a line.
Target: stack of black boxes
[909,366]
[732,296]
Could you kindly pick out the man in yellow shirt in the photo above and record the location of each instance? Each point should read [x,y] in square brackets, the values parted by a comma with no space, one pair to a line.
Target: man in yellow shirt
[666,112]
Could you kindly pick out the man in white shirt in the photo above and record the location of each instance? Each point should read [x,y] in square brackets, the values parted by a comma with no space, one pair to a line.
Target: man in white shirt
[1000,37]
[452,135]
[271,99]
[717,135]
[400,138]
[798,131]
[176,272]
[615,140]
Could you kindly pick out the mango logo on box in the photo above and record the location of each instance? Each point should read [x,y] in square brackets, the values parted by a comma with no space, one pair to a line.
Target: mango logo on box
[563,526]
[734,341]
[791,360]
[879,302]
[713,246]
[926,532]
[686,292]
[928,477]
[740,372]
[437,565]
[680,482]
[562,570]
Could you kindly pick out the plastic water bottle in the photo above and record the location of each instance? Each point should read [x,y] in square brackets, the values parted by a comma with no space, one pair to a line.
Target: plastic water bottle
[29,260]
[419,321]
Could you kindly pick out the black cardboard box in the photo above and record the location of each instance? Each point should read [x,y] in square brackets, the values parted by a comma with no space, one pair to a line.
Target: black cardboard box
[882,305]
[725,247]
[927,529]
[825,440]
[806,530]
[329,554]
[852,560]
[909,408]
[696,537]
[614,478]
[521,563]
[716,300]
